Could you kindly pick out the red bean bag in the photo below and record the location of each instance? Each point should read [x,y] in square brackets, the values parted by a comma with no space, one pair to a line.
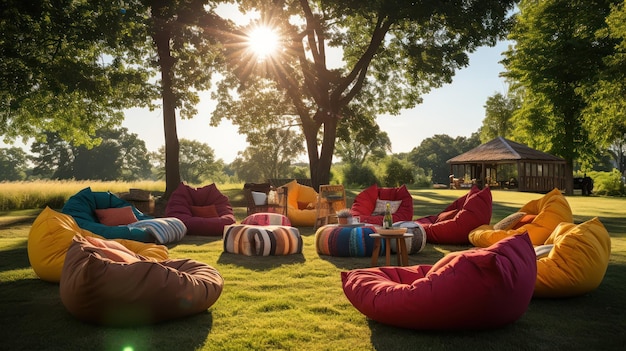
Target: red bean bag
[473,289]
[104,283]
[455,222]
[365,203]
[204,211]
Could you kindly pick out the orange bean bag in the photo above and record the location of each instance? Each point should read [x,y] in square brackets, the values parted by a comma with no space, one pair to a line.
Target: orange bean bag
[576,262]
[301,204]
[546,213]
[104,283]
[51,235]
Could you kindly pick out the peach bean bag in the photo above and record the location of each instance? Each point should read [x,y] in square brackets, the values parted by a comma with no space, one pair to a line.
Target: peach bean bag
[104,283]
[204,211]
[546,212]
[51,235]
[577,260]
[301,204]
[365,203]
[472,289]
[455,222]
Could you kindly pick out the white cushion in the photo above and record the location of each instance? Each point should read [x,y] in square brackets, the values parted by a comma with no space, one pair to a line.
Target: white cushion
[381,206]
[259,198]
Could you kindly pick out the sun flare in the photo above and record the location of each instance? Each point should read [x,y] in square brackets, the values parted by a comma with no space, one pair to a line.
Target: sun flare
[263,41]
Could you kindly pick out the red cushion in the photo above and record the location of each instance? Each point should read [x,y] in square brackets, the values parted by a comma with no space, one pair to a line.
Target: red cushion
[204,211]
[474,209]
[116,216]
[473,289]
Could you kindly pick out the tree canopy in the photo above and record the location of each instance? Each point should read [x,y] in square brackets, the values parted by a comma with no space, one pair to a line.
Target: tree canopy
[393,52]
[63,68]
[556,55]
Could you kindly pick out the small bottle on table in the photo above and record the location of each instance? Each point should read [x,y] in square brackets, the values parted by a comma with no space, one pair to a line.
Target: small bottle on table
[388,219]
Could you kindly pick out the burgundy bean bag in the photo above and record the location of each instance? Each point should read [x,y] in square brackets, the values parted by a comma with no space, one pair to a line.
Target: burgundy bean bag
[466,290]
[365,203]
[204,211]
[455,222]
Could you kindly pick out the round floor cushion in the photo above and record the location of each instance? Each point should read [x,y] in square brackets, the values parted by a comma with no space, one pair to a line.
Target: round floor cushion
[104,283]
[262,240]
[345,241]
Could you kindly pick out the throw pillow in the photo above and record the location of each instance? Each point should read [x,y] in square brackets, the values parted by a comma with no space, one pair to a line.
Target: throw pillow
[381,206]
[509,221]
[543,250]
[204,211]
[116,216]
[259,198]
[529,218]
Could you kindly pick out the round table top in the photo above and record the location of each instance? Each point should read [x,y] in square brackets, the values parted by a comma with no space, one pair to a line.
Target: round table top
[403,235]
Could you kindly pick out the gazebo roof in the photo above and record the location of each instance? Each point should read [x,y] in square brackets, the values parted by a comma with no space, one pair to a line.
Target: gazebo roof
[501,149]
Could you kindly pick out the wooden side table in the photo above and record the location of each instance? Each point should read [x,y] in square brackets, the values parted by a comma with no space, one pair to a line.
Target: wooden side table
[402,254]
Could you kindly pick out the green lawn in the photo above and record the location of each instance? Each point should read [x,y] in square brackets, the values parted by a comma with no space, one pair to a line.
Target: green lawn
[296,302]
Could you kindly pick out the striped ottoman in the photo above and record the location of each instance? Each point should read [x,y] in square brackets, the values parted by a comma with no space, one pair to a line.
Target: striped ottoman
[417,242]
[263,234]
[345,241]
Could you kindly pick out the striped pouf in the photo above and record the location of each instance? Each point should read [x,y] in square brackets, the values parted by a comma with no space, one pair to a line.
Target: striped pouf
[417,242]
[345,241]
[262,240]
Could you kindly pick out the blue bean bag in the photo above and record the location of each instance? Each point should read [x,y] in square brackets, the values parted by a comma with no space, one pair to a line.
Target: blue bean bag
[83,205]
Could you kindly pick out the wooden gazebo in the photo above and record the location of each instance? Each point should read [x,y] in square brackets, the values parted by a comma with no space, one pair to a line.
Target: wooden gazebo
[528,169]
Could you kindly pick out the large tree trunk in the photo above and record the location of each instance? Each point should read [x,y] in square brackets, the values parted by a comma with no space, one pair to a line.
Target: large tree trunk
[161,37]
[320,161]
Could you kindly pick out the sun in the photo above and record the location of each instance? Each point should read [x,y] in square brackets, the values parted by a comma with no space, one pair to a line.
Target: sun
[263,41]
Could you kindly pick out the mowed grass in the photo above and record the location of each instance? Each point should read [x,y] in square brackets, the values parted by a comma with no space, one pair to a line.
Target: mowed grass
[296,302]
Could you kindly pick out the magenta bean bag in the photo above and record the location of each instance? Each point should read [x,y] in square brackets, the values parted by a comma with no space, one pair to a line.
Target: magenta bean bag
[204,211]
[466,290]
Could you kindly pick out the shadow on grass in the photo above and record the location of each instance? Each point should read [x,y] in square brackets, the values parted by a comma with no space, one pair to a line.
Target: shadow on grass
[259,263]
[14,258]
[548,324]
[28,300]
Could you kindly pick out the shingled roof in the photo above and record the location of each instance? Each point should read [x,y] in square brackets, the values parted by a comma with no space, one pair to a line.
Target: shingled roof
[501,149]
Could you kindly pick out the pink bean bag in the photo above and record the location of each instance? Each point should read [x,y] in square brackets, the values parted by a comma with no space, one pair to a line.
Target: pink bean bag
[204,211]
[455,222]
[473,289]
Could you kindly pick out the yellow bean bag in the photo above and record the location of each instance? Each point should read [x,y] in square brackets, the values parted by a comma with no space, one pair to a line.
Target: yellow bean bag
[576,262]
[548,211]
[51,235]
[301,204]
